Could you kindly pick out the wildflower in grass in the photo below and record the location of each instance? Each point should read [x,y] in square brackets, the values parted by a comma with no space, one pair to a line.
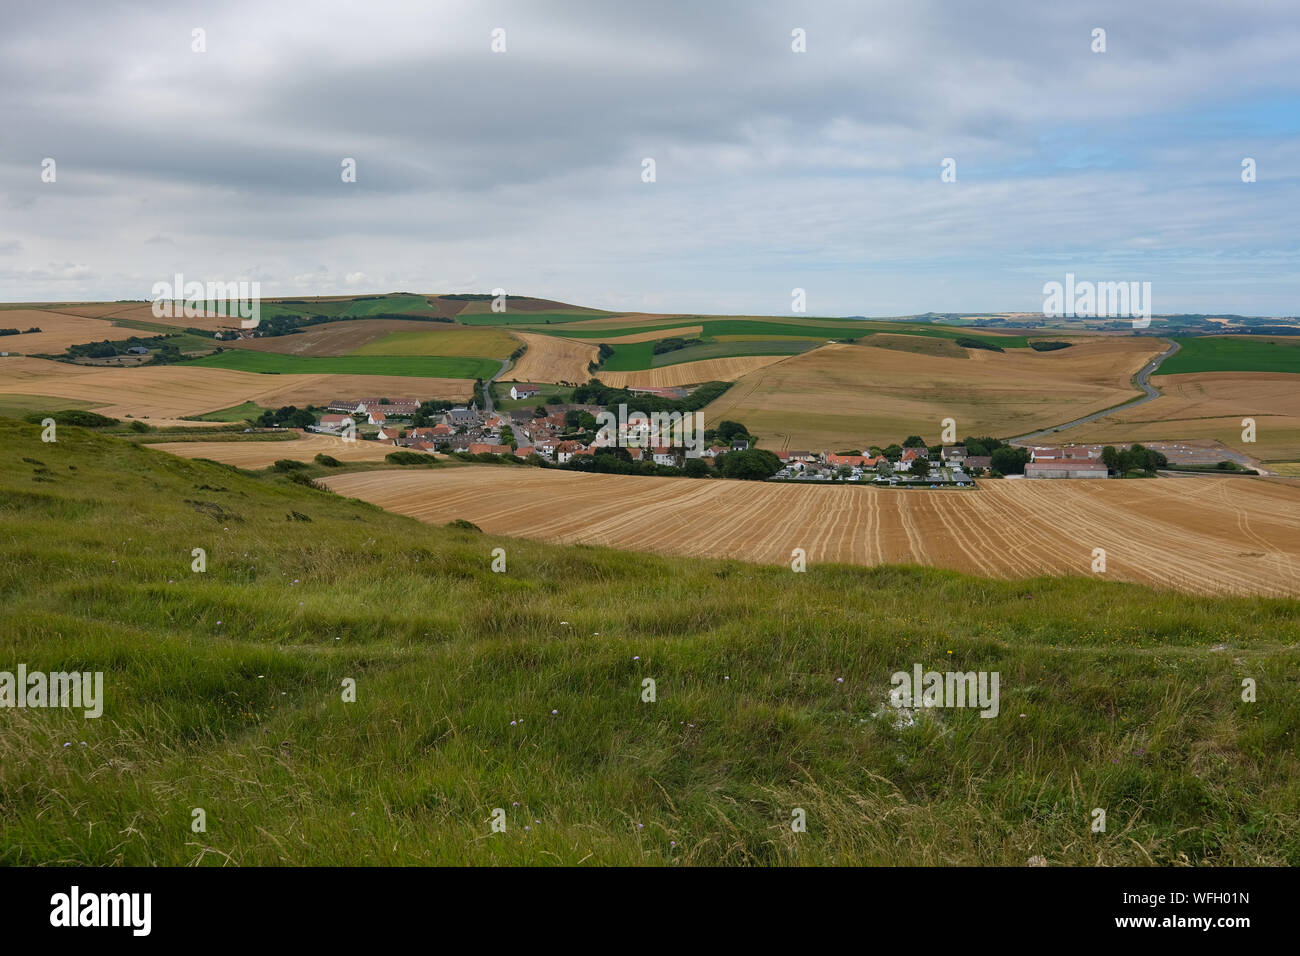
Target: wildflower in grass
[554,713]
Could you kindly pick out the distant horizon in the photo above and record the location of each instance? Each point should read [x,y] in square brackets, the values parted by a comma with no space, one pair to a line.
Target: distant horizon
[775,315]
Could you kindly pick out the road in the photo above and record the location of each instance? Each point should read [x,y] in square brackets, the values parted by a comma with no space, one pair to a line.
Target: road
[487,387]
[1142,380]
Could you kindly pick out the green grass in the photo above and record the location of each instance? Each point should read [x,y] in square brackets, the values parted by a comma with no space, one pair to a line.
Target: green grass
[223,691]
[19,406]
[636,356]
[539,318]
[431,366]
[236,413]
[1222,354]
[822,329]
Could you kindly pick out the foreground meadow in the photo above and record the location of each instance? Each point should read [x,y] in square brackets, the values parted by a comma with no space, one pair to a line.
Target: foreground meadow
[523,691]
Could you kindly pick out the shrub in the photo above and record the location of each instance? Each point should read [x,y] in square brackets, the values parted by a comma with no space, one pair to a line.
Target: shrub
[462,525]
[288,464]
[329,461]
[970,343]
[1038,346]
[407,458]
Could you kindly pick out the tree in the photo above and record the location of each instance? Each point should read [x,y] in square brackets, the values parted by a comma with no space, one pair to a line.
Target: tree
[1009,461]
[920,467]
[1110,457]
[914,441]
[755,464]
[730,431]
[893,452]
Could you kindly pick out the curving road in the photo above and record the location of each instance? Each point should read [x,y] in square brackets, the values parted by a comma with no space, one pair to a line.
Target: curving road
[1142,380]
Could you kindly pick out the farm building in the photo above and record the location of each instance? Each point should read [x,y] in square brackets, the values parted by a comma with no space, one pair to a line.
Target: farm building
[1066,468]
[523,391]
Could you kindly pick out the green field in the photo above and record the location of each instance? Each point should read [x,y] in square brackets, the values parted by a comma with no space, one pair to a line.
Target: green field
[819,329]
[18,406]
[247,360]
[451,341]
[637,356]
[223,692]
[539,318]
[237,413]
[1234,354]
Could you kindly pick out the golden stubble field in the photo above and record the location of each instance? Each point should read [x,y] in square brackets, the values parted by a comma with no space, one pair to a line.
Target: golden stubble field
[1198,535]
[169,392]
[58,330]
[840,397]
[553,359]
[1211,405]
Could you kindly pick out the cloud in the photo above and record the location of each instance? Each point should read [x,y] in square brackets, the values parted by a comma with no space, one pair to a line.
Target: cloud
[774,169]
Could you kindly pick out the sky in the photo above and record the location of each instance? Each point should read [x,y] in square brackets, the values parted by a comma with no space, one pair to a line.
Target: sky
[774,170]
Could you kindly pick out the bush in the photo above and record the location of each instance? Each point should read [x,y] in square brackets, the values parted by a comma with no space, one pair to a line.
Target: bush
[970,343]
[407,458]
[141,427]
[1049,346]
[288,464]
[462,525]
[329,461]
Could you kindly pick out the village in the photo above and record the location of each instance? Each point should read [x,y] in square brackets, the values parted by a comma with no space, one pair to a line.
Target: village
[565,433]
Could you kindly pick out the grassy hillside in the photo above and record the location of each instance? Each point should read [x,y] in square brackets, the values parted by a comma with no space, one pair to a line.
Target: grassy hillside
[522,691]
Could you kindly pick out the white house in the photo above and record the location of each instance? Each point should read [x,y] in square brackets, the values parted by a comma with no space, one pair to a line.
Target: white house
[523,391]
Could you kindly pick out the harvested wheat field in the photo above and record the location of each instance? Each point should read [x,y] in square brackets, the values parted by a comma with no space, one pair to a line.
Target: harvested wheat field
[1210,405]
[175,391]
[1199,535]
[58,331]
[854,396]
[259,454]
[553,359]
[692,373]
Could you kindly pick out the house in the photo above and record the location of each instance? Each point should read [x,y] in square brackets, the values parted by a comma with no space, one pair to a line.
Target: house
[805,456]
[138,350]
[347,406]
[910,455]
[740,444]
[376,417]
[564,451]
[663,455]
[484,448]
[461,417]
[523,451]
[853,461]
[335,422]
[389,433]
[523,391]
[1066,468]
[636,454]
[1057,454]
[953,454]
[978,463]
